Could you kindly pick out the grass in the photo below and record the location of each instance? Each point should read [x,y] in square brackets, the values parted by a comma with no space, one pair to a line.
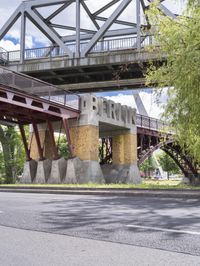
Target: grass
[146,184]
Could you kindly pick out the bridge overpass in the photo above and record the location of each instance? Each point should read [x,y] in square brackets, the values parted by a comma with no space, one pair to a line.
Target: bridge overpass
[102,49]
[27,101]
[109,52]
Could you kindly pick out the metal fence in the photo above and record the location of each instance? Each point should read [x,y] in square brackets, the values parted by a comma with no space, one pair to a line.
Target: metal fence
[3,55]
[39,88]
[101,46]
[151,123]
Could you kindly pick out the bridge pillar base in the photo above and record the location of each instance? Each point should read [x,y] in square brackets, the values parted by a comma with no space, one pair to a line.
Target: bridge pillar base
[58,171]
[82,172]
[43,172]
[121,174]
[29,172]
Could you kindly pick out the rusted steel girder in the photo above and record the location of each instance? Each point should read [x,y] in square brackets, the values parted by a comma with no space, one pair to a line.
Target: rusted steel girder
[53,142]
[27,150]
[25,107]
[21,108]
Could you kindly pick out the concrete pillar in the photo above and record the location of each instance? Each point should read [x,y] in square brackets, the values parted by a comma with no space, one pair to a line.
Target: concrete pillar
[85,167]
[84,135]
[125,149]
[85,140]
[124,168]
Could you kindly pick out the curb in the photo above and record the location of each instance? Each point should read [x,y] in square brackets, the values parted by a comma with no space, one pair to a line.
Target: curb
[106,192]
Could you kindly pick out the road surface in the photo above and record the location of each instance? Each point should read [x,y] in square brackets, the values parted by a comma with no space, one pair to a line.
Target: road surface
[75,230]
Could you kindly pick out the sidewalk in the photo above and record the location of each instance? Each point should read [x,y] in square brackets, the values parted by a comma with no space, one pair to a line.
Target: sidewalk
[167,193]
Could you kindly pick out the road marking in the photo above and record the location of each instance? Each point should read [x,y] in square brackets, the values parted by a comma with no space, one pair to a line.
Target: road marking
[164,229]
[1,211]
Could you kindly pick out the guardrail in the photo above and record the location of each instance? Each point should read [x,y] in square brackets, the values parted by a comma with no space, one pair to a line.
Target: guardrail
[3,56]
[101,46]
[150,123]
[39,88]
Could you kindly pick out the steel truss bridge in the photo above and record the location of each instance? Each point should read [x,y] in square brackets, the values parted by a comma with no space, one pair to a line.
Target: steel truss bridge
[90,49]
[25,100]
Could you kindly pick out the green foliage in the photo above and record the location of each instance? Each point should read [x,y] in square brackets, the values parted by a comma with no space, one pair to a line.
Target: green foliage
[12,155]
[63,147]
[148,166]
[168,165]
[179,40]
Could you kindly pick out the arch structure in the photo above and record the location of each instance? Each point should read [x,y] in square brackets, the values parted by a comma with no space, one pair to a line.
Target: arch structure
[148,143]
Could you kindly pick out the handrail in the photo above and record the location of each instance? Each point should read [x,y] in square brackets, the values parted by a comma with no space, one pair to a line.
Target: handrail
[39,88]
[3,55]
[101,46]
[150,123]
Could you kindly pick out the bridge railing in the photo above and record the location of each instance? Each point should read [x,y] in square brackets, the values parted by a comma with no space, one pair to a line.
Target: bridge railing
[151,123]
[39,88]
[3,56]
[101,46]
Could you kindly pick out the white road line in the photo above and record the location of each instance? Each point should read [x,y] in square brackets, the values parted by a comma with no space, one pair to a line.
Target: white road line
[163,229]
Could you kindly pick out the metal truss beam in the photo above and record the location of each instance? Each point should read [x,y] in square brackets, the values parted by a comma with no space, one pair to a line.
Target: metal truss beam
[109,34]
[105,7]
[165,10]
[31,9]
[92,17]
[11,21]
[59,10]
[63,27]
[106,26]
[47,31]
[44,3]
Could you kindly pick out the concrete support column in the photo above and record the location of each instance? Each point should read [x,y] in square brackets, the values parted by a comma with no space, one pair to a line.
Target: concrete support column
[84,168]
[85,140]
[125,149]
[124,168]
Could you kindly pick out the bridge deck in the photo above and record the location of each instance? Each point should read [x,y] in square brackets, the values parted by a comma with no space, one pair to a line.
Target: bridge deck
[24,99]
[111,65]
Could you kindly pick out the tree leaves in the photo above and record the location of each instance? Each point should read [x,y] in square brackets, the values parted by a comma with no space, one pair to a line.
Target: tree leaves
[179,40]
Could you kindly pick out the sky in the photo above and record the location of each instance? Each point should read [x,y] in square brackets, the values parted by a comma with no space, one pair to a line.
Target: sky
[35,39]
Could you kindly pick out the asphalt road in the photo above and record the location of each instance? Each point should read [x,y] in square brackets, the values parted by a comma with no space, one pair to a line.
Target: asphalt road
[73,230]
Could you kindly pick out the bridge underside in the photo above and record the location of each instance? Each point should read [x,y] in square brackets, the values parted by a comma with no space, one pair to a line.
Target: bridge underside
[100,72]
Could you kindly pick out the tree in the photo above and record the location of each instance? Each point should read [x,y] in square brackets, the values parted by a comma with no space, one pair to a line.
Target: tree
[12,154]
[179,40]
[148,166]
[168,165]
[63,146]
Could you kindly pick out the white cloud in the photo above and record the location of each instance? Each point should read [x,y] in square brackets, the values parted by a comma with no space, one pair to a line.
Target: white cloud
[9,46]
[149,100]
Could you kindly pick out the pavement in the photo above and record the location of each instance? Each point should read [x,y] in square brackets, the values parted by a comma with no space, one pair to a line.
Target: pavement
[78,230]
